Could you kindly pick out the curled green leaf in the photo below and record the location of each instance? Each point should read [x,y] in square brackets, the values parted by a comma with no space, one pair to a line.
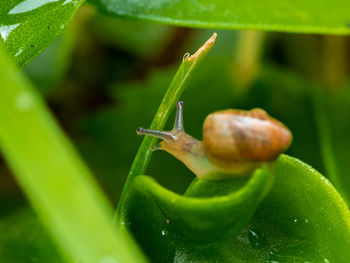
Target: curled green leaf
[302,218]
[197,218]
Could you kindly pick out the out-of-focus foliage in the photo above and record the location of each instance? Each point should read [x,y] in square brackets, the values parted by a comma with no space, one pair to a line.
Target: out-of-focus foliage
[50,67]
[331,111]
[24,239]
[116,32]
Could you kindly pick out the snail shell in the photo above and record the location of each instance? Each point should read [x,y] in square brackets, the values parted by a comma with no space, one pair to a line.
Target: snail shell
[231,137]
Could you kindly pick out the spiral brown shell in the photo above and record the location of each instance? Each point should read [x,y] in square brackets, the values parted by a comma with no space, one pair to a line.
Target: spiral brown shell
[231,137]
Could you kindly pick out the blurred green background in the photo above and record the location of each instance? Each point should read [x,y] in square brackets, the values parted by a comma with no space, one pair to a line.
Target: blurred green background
[104,77]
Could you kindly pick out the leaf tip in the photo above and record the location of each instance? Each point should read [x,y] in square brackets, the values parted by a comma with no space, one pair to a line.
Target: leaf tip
[203,49]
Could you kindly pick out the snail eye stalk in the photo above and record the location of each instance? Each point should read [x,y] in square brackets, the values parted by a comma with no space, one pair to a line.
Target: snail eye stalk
[178,124]
[159,134]
[166,135]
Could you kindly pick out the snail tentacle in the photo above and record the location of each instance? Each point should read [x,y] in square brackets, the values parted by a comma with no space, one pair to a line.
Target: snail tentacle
[178,124]
[155,133]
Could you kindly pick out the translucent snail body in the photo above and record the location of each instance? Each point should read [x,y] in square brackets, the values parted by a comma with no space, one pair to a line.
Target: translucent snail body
[235,142]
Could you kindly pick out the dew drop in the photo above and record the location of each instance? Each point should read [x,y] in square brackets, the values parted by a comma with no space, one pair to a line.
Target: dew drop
[326,260]
[6,30]
[185,56]
[19,52]
[29,5]
[164,232]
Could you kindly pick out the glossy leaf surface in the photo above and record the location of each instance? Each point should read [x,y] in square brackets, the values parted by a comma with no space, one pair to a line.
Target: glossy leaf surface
[289,16]
[197,219]
[27,27]
[302,219]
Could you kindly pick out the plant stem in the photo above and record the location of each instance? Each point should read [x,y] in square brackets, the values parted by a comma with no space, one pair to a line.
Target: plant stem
[170,98]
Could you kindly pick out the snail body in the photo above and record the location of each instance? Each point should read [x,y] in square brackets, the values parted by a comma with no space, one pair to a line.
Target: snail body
[235,142]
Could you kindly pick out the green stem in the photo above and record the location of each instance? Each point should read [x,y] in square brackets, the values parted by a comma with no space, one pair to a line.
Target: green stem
[54,178]
[170,98]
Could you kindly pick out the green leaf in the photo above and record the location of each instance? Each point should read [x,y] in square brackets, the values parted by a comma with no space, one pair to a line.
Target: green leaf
[27,27]
[303,218]
[288,16]
[197,218]
[24,239]
[56,181]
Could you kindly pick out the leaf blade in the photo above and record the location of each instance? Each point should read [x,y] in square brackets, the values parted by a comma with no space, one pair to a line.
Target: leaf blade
[56,181]
[287,16]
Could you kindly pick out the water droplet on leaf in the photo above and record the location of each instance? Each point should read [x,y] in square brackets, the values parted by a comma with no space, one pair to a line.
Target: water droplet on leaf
[29,5]
[19,52]
[256,239]
[6,30]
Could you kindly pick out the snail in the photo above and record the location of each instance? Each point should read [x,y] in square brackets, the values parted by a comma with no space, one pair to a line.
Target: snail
[235,142]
